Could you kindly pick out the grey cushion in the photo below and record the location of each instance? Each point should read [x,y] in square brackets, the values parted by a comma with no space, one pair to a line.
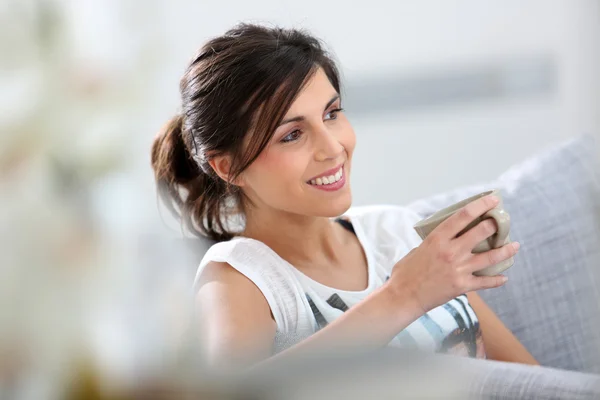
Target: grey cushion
[511,381]
[552,300]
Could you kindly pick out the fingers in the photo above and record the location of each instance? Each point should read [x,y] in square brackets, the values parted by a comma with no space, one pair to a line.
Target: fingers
[477,234]
[491,257]
[458,221]
[488,282]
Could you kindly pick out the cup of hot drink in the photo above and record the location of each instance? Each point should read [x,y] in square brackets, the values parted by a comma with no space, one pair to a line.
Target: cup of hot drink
[498,239]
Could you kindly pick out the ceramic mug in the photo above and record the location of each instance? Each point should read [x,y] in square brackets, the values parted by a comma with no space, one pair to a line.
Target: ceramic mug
[498,239]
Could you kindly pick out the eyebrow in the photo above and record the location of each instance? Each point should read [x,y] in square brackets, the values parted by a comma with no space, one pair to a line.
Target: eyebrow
[301,118]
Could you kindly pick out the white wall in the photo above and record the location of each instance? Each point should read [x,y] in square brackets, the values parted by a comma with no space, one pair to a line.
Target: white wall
[402,155]
[477,140]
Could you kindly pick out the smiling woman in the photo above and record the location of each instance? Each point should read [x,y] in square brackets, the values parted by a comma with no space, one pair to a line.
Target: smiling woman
[314,141]
[242,86]
[262,136]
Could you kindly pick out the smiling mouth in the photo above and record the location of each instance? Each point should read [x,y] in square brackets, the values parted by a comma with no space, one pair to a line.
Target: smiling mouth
[328,179]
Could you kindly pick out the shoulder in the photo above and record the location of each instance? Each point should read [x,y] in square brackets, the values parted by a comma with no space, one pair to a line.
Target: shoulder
[239,259]
[220,283]
[234,316]
[250,257]
[228,278]
[243,255]
[244,265]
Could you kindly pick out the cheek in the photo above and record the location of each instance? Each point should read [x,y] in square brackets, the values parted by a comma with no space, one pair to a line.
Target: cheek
[279,166]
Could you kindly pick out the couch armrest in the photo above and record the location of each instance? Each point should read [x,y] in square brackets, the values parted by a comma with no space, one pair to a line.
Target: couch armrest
[500,380]
[394,373]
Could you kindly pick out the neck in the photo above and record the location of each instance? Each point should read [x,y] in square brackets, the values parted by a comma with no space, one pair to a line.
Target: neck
[299,239]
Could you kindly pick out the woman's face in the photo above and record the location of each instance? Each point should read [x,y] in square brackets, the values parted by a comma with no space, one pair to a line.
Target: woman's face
[305,169]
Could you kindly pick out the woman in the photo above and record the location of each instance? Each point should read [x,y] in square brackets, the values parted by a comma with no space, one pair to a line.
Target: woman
[260,161]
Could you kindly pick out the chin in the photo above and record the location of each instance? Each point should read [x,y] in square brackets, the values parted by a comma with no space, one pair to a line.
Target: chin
[335,207]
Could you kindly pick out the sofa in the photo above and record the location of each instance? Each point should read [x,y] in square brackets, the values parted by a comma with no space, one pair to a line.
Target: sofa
[551,301]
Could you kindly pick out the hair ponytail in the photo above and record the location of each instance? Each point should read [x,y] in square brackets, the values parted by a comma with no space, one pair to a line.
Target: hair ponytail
[234,94]
[192,195]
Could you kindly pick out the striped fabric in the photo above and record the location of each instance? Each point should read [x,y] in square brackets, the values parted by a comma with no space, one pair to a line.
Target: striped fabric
[452,328]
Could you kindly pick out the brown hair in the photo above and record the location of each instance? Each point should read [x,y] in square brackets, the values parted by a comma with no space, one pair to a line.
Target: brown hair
[239,84]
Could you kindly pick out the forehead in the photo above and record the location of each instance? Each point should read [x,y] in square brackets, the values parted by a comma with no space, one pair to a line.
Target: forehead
[317,91]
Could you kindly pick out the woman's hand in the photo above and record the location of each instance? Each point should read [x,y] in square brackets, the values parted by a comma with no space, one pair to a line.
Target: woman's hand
[442,267]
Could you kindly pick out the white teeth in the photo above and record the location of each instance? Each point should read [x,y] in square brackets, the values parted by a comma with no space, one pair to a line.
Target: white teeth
[327,180]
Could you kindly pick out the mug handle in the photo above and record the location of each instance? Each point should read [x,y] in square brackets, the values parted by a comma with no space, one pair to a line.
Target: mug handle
[502,219]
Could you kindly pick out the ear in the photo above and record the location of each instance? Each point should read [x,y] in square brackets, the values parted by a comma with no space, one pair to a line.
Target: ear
[222,165]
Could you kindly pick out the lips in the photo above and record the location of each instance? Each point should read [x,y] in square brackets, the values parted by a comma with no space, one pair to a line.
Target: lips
[331,183]
[326,174]
[328,179]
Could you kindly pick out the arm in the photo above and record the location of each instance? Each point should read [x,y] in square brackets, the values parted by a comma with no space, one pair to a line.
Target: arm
[237,327]
[500,344]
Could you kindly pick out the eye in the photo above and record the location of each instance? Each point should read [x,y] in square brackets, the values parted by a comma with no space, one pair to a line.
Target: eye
[292,136]
[333,113]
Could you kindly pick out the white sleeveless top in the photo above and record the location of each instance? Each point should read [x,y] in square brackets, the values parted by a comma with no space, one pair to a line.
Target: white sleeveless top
[302,306]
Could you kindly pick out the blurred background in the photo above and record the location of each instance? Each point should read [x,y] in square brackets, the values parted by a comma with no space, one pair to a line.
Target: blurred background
[441,94]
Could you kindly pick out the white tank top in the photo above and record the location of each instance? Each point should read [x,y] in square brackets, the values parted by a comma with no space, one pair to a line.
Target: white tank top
[302,306]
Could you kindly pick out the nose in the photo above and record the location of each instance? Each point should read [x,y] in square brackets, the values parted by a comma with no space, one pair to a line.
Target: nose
[327,145]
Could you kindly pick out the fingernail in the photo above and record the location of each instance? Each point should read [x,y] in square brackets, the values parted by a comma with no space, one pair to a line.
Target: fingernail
[494,199]
[504,279]
[516,245]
